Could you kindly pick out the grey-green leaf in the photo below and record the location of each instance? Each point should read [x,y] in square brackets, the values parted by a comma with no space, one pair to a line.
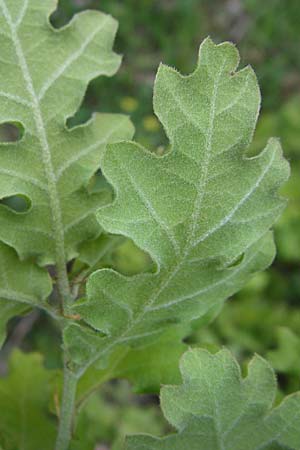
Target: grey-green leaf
[216,409]
[44,74]
[202,211]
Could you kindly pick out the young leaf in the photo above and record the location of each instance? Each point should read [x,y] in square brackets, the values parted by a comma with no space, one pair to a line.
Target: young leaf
[22,285]
[26,422]
[215,408]
[44,75]
[201,211]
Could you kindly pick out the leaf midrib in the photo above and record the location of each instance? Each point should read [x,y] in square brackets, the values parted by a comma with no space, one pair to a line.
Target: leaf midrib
[198,200]
[57,223]
[170,275]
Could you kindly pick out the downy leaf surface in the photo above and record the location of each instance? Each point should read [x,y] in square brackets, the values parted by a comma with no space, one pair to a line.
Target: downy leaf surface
[202,211]
[216,409]
[44,73]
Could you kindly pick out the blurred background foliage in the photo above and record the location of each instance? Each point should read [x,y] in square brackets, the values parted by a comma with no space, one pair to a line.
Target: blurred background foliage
[265,316]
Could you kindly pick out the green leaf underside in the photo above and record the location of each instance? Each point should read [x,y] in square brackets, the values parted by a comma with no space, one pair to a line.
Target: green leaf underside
[195,210]
[216,409]
[51,166]
[22,285]
[26,422]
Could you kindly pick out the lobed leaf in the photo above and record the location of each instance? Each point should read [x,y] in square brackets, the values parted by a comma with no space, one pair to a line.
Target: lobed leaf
[215,408]
[202,211]
[51,165]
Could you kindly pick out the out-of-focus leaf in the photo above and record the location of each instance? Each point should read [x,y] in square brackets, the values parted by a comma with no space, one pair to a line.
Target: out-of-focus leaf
[286,358]
[26,422]
[22,286]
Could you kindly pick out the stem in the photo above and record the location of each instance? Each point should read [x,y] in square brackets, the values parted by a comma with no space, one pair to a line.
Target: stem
[66,410]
